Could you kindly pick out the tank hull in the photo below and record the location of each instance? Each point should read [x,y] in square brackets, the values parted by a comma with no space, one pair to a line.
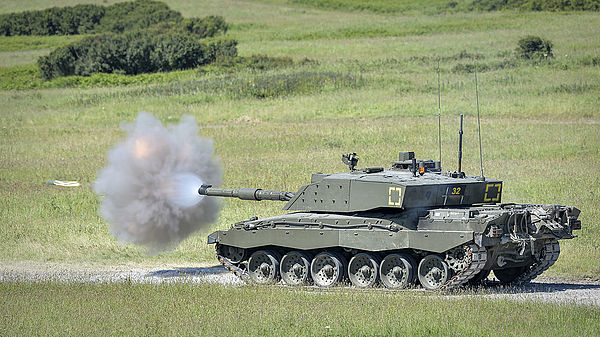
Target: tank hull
[441,247]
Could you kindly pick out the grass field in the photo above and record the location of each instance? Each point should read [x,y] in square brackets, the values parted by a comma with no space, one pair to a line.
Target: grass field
[541,136]
[540,119]
[210,310]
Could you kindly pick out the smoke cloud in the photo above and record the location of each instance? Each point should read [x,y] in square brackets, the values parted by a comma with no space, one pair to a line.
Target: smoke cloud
[150,184]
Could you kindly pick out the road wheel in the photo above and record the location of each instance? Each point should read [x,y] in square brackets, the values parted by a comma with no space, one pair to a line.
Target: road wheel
[295,268]
[263,267]
[363,270]
[397,271]
[327,269]
[433,272]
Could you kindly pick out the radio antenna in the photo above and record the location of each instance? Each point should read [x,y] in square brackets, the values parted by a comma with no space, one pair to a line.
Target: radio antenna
[439,112]
[460,137]
[478,123]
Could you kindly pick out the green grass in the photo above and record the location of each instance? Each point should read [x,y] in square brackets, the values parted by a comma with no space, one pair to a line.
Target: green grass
[370,87]
[540,119]
[16,43]
[19,72]
[209,310]
[440,6]
[28,76]
[62,224]
[376,6]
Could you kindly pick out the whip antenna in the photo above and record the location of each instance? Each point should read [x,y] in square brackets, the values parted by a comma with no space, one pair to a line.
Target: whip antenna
[460,136]
[439,112]
[478,123]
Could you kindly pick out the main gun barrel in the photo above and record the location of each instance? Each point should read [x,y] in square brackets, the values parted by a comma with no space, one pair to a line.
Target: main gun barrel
[245,193]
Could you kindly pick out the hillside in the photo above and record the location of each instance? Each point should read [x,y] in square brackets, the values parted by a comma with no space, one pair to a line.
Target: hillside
[358,81]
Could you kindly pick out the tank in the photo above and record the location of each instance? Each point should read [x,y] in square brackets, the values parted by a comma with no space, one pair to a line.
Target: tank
[410,224]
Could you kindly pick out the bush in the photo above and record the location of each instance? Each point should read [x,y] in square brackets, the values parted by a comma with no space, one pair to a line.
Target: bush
[535,5]
[139,14]
[201,28]
[133,53]
[205,27]
[222,49]
[177,51]
[142,36]
[534,47]
[80,19]
[561,5]
[84,19]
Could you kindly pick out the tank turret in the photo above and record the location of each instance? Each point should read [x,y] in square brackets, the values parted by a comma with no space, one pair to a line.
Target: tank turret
[409,183]
[419,184]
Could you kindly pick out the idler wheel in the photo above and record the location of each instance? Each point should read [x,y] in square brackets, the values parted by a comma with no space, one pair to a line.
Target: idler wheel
[433,272]
[457,258]
[234,255]
[397,271]
[363,270]
[295,268]
[479,278]
[327,269]
[263,267]
[508,275]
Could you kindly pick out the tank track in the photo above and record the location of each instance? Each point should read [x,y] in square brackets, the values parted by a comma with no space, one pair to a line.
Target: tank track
[237,271]
[548,257]
[476,258]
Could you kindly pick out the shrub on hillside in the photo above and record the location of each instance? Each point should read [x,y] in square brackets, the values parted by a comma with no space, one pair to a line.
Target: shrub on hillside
[139,14]
[534,47]
[83,19]
[205,27]
[132,53]
[177,51]
[80,19]
[535,5]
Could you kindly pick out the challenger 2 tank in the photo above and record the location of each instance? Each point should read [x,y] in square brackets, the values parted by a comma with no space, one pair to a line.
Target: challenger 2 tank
[409,224]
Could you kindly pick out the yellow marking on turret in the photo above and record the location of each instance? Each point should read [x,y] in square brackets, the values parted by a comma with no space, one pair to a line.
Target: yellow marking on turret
[391,192]
[493,197]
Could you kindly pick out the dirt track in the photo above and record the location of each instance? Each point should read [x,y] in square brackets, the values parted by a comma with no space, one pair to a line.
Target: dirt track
[542,289]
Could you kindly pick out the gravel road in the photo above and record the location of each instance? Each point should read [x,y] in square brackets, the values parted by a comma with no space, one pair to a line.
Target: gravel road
[580,292]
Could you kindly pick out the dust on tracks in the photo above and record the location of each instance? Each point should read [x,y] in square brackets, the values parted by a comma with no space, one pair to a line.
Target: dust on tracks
[543,289]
